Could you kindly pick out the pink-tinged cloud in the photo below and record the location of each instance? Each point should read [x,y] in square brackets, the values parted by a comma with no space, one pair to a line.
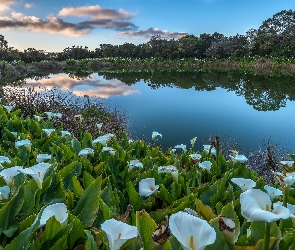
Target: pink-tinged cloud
[5,4]
[29,5]
[96,12]
[152,32]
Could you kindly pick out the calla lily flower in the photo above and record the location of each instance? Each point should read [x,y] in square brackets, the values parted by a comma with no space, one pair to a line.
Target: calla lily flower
[291,209]
[155,134]
[233,152]
[193,141]
[273,192]
[182,146]
[289,180]
[86,151]
[59,210]
[9,173]
[4,192]
[51,114]
[135,163]
[4,159]
[99,126]
[191,212]
[27,143]
[191,231]
[205,165]
[243,183]
[169,169]
[103,139]
[285,180]
[256,206]
[64,132]
[207,148]
[48,131]
[118,233]
[289,163]
[195,157]
[42,157]
[8,108]
[78,118]
[37,171]
[147,187]
[38,117]
[239,158]
[111,150]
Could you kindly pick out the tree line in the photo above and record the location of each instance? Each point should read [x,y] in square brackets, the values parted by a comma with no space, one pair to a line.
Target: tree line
[275,37]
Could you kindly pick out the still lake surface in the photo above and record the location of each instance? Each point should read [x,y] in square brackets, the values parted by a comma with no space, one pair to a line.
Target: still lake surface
[245,108]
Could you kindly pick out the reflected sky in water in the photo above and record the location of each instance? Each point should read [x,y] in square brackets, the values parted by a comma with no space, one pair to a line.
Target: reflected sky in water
[181,114]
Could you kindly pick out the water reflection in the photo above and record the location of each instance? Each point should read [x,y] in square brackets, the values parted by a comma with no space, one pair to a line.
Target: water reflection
[93,85]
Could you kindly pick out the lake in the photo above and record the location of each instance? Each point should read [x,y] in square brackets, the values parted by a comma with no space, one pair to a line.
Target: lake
[239,107]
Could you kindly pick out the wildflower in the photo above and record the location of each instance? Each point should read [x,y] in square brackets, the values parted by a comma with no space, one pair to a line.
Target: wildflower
[135,163]
[109,149]
[288,163]
[86,151]
[193,141]
[273,192]
[38,117]
[243,183]
[4,192]
[169,169]
[155,134]
[195,157]
[78,118]
[27,143]
[205,165]
[227,226]
[118,233]
[147,187]
[58,210]
[9,108]
[233,152]
[191,231]
[4,159]
[239,158]
[42,157]
[48,131]
[51,114]
[99,126]
[64,132]
[256,206]
[103,139]
[9,173]
[182,146]
[37,172]
[208,147]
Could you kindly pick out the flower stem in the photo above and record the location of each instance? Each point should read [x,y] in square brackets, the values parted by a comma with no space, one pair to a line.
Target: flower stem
[285,202]
[266,236]
[231,247]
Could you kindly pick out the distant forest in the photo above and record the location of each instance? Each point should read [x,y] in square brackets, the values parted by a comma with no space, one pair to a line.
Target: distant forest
[275,37]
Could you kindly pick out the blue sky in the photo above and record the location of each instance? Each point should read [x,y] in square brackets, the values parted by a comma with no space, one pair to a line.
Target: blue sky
[54,25]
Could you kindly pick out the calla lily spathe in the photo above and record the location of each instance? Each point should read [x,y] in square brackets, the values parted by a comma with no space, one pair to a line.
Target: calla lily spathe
[42,157]
[243,183]
[155,134]
[111,150]
[86,151]
[37,172]
[9,173]
[257,206]
[59,210]
[52,114]
[239,158]
[48,131]
[207,149]
[103,139]
[64,132]
[169,169]
[181,146]
[288,163]
[191,231]
[38,117]
[195,157]
[273,192]
[134,163]
[4,192]
[147,187]
[205,165]
[118,233]
[27,143]
[9,108]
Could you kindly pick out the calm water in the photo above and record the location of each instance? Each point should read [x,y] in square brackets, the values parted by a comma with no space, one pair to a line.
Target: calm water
[247,108]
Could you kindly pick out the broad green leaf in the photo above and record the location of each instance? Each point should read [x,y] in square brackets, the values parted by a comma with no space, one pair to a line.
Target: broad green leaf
[87,140]
[219,243]
[204,210]
[77,188]
[134,197]
[90,243]
[146,226]
[86,209]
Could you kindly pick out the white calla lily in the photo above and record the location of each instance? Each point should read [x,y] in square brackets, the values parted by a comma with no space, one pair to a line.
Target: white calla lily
[118,233]
[243,183]
[207,149]
[58,210]
[4,192]
[4,159]
[288,163]
[205,165]
[27,143]
[52,114]
[169,169]
[181,146]
[103,139]
[9,173]
[8,108]
[191,231]
[42,157]
[38,117]
[195,157]
[147,187]
[155,134]
[37,171]
[111,150]
[48,131]
[134,163]
[239,158]
[64,132]
[273,192]
[256,206]
[86,151]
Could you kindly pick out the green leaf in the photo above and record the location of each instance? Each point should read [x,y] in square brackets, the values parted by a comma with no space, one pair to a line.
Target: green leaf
[8,213]
[146,226]
[205,211]
[134,197]
[90,243]
[87,140]
[77,232]
[86,209]
[76,146]
[219,243]
[87,179]
[77,188]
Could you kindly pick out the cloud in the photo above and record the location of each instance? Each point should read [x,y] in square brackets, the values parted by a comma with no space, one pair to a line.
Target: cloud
[57,25]
[5,4]
[29,5]
[148,33]
[96,12]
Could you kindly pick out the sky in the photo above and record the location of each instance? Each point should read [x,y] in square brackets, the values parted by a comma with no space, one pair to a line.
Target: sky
[53,25]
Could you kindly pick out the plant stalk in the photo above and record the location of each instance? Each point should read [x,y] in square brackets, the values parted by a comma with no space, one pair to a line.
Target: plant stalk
[266,236]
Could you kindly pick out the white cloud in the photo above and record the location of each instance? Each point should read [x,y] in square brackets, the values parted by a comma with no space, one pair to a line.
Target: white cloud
[5,4]
[29,5]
